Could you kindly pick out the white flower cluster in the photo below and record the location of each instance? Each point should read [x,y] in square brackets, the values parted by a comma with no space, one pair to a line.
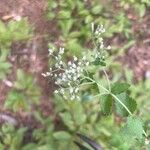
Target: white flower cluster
[99,30]
[67,75]
[99,44]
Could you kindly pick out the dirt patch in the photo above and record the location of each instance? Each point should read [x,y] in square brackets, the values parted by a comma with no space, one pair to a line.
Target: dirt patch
[138,56]
[138,59]
[32,55]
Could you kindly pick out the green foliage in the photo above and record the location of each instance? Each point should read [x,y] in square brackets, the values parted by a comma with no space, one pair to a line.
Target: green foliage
[118,88]
[4,64]
[14,31]
[106,104]
[10,137]
[62,135]
[88,115]
[128,102]
[24,94]
[72,18]
[138,6]
[16,101]
[133,129]
[11,32]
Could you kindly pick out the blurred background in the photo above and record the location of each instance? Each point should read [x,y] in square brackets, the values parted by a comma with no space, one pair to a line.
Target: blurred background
[31,117]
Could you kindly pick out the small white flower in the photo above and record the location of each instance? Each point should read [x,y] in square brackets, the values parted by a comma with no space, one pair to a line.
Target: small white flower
[60,62]
[69,76]
[61,50]
[92,26]
[56,91]
[68,84]
[78,75]
[74,78]
[48,73]
[56,65]
[75,58]
[109,47]
[71,90]
[103,57]
[100,39]
[56,58]
[43,74]
[65,97]
[76,90]
[73,71]
[72,97]
[74,65]
[101,46]
[84,58]
[50,51]
[96,32]
[147,142]
[79,63]
[62,91]
[69,63]
[87,63]
[63,77]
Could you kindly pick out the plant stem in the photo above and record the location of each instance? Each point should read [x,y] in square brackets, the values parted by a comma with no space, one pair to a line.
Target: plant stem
[98,95]
[106,75]
[111,95]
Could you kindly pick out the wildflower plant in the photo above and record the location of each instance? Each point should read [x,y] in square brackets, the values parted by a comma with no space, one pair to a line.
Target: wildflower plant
[70,76]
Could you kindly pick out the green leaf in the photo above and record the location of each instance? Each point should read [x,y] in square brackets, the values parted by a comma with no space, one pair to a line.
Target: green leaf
[66,26]
[97,9]
[64,14]
[127,101]
[62,135]
[4,65]
[1,146]
[16,101]
[133,129]
[106,104]
[142,10]
[67,120]
[74,47]
[118,87]
[79,117]
[98,61]
[148,147]
[83,13]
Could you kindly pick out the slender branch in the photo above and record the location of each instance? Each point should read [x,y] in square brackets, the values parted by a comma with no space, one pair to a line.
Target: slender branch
[97,84]
[98,95]
[106,75]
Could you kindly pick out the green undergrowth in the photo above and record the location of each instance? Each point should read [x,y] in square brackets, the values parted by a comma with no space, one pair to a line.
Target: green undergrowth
[89,117]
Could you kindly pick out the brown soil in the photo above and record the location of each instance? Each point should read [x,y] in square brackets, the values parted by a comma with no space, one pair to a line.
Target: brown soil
[139,66]
[138,56]
[31,56]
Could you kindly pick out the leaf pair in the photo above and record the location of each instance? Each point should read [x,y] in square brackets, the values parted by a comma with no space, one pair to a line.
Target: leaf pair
[122,101]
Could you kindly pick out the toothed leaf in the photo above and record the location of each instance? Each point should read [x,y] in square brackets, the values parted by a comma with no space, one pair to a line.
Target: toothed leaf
[118,88]
[106,104]
[128,102]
